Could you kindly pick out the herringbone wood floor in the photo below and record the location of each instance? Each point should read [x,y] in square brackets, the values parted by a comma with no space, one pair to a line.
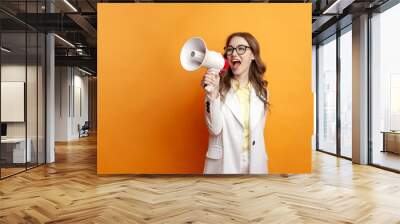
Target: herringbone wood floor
[69,191]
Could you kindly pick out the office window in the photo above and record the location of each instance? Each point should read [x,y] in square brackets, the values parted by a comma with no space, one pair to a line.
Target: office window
[314,90]
[385,88]
[395,102]
[327,95]
[346,92]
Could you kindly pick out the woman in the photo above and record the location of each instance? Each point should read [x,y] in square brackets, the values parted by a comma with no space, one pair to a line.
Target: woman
[236,110]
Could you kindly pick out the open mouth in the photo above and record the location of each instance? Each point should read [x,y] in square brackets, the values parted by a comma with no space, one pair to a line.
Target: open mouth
[236,63]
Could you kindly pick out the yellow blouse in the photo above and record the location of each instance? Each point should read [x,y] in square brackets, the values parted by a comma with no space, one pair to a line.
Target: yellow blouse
[243,94]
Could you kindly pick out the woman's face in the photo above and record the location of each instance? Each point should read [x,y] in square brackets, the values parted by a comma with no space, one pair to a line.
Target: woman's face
[239,62]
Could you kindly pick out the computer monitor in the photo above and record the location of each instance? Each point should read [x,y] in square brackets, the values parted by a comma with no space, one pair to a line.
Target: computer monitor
[3,129]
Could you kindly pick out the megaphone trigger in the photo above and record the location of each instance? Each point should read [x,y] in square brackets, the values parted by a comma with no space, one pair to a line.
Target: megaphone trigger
[208,88]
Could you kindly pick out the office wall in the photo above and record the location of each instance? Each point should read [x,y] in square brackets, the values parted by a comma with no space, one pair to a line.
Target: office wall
[71,102]
[62,80]
[80,106]
[151,111]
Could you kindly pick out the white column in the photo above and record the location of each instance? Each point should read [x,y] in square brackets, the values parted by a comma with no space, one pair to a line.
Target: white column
[50,110]
[360,90]
[50,92]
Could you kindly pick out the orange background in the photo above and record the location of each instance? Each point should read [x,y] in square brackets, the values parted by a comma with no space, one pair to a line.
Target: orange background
[150,110]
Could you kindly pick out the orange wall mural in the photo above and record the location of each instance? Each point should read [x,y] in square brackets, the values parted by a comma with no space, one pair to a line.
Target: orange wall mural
[151,111]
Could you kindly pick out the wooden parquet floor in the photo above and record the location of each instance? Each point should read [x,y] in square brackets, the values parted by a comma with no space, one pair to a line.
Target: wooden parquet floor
[69,191]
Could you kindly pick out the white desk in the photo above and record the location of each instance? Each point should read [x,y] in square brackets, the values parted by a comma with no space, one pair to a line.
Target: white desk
[18,150]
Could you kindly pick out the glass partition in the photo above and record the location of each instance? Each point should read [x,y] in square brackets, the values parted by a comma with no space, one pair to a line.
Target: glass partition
[32,95]
[14,153]
[22,89]
[41,111]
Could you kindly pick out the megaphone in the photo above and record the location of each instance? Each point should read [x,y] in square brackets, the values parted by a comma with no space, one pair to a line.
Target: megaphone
[194,54]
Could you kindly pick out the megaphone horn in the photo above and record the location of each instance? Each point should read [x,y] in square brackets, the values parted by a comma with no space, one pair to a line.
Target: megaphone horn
[194,54]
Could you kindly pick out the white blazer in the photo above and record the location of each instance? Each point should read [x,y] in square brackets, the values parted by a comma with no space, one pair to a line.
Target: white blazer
[225,127]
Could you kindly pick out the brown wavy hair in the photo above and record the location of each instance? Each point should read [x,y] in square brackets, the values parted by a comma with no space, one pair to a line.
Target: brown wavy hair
[256,71]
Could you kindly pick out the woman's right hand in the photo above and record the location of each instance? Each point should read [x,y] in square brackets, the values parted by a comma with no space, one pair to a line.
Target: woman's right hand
[211,81]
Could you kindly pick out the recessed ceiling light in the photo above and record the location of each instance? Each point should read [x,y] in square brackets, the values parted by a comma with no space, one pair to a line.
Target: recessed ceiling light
[5,50]
[71,6]
[64,40]
[84,71]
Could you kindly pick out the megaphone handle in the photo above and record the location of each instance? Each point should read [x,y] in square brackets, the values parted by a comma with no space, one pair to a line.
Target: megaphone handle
[208,87]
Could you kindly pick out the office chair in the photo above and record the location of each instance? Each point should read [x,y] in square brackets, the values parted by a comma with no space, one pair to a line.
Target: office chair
[84,130]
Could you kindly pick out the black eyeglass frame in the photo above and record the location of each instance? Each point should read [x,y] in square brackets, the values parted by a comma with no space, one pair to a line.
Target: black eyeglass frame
[236,48]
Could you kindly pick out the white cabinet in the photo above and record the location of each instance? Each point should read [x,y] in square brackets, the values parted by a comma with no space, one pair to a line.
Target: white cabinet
[17,147]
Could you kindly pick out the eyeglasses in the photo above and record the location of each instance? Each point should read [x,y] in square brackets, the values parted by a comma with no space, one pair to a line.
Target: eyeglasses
[240,49]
